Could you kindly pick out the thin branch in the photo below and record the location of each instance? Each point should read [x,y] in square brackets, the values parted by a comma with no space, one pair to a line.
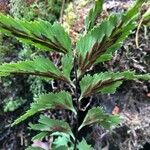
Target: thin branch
[62,11]
[137,33]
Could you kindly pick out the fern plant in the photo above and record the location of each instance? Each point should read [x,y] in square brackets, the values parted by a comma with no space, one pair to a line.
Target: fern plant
[97,45]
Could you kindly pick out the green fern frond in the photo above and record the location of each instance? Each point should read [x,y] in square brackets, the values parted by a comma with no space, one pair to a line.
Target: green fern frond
[107,82]
[39,66]
[97,115]
[61,100]
[40,33]
[40,136]
[99,44]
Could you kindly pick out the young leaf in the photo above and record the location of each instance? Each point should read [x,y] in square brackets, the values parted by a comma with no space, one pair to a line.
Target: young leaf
[93,14]
[94,84]
[97,115]
[39,33]
[50,125]
[107,82]
[61,100]
[84,146]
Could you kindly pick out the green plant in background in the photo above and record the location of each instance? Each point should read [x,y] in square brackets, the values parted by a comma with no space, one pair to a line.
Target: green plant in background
[97,45]
[33,9]
[5,48]
[11,104]
[36,86]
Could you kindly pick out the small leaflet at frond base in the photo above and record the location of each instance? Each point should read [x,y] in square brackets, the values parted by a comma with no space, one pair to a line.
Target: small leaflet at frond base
[97,115]
[51,125]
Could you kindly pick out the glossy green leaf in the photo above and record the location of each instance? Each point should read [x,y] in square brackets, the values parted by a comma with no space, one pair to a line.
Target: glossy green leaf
[104,57]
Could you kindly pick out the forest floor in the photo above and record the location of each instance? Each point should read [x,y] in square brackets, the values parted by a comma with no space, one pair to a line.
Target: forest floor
[131,101]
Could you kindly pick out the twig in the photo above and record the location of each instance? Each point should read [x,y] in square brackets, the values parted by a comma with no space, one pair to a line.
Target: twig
[137,33]
[62,11]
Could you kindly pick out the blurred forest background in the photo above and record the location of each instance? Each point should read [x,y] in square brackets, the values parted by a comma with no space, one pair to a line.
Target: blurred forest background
[131,100]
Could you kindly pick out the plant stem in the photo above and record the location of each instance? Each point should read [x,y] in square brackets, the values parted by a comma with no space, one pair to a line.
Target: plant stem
[78,103]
